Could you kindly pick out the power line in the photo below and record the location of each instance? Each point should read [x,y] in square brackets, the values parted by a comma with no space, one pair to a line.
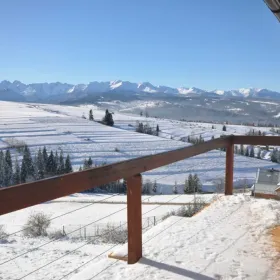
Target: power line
[59,216]
[58,238]
[162,204]
[104,269]
[68,253]
[87,262]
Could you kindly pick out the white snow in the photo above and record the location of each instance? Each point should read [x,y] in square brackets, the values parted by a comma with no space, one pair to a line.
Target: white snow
[228,240]
[96,207]
[62,127]
[45,90]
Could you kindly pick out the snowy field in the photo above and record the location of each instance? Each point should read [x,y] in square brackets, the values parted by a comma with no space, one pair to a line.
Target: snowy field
[228,240]
[62,127]
[219,242]
[93,211]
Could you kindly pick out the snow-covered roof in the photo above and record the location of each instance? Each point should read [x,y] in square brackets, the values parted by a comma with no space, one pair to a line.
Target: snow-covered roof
[268,176]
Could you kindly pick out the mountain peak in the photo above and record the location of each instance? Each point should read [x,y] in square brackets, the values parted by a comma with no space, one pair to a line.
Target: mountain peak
[42,91]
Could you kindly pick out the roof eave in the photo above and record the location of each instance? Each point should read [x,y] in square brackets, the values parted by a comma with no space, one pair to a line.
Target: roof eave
[274,7]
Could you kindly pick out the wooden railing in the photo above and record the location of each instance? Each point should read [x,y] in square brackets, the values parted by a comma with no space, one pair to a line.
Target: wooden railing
[29,194]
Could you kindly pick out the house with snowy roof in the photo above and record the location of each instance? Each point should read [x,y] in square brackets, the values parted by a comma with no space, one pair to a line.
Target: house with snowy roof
[267,183]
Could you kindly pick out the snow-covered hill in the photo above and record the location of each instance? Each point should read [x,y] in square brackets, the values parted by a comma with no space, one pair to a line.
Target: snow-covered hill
[62,127]
[62,91]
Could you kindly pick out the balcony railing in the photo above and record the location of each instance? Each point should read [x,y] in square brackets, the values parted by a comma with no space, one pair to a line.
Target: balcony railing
[25,195]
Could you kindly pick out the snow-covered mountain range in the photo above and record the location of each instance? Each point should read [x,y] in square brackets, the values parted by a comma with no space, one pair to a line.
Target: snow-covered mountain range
[19,91]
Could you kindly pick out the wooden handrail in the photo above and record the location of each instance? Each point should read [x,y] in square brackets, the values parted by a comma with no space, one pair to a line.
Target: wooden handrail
[29,194]
[257,140]
[25,195]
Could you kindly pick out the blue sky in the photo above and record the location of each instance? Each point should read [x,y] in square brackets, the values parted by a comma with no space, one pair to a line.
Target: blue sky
[207,44]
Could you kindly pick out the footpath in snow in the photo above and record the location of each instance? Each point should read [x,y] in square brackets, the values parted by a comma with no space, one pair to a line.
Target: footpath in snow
[228,240]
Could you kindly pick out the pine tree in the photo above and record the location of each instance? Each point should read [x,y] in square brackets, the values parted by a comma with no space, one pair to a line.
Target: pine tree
[175,188]
[8,169]
[40,165]
[85,166]
[2,172]
[108,119]
[51,166]
[141,113]
[90,162]
[56,160]
[157,130]
[252,152]
[191,183]
[247,152]
[45,158]
[212,137]
[8,158]
[28,161]
[196,183]
[35,164]
[16,175]
[23,172]
[242,150]
[224,128]
[154,188]
[61,164]
[68,165]
[235,149]
[8,174]
[274,156]
[90,115]
[124,184]
[186,187]
[259,154]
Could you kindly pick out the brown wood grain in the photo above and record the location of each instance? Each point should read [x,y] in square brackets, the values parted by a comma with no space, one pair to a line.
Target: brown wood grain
[257,140]
[229,169]
[134,218]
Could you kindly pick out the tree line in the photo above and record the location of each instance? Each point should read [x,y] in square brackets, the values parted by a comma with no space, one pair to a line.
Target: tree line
[147,129]
[192,185]
[107,119]
[253,132]
[236,123]
[249,151]
[43,164]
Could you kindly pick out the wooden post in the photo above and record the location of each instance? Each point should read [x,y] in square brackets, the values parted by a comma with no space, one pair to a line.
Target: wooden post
[229,169]
[134,218]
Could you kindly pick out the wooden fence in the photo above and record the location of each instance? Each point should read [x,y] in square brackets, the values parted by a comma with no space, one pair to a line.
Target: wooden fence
[21,196]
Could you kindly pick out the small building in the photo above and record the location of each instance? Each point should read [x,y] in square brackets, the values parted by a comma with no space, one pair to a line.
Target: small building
[267,183]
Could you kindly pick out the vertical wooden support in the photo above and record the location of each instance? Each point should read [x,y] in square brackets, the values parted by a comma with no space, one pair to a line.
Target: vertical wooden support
[229,169]
[134,218]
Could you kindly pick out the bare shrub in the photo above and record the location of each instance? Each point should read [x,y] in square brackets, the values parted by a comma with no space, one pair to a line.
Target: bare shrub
[220,185]
[3,234]
[113,235]
[57,234]
[15,143]
[36,225]
[186,211]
